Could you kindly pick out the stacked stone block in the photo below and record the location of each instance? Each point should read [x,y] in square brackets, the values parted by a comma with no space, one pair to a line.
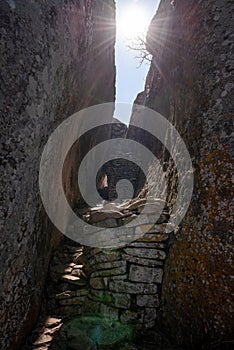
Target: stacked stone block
[126,283]
[122,285]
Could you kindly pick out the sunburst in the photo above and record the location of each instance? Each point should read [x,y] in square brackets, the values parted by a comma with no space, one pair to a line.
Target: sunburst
[133,23]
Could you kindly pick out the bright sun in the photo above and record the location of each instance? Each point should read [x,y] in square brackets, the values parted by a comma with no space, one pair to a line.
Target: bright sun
[133,23]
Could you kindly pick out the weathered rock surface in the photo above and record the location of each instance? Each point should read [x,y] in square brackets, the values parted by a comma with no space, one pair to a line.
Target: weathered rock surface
[190,82]
[50,52]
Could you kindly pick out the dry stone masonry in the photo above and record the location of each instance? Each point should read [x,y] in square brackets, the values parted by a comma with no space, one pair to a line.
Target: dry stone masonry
[123,285]
[125,281]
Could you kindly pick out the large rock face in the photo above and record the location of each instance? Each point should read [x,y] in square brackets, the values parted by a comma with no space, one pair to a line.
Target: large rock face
[190,82]
[50,53]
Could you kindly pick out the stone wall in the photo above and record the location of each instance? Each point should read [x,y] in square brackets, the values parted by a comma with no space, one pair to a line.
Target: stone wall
[120,168]
[123,284]
[126,284]
[190,82]
[50,53]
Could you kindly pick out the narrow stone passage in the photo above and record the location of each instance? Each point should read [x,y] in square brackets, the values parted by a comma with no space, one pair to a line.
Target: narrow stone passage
[58,61]
[117,292]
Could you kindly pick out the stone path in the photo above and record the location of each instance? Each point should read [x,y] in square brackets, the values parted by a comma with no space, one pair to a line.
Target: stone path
[123,285]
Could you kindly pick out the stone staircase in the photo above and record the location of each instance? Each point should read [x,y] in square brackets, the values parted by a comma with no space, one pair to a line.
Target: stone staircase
[123,285]
[67,283]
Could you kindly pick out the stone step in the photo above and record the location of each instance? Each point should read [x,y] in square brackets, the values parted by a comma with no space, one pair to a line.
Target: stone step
[75,280]
[43,335]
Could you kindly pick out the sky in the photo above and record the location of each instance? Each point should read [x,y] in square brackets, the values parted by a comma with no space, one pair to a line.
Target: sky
[132,17]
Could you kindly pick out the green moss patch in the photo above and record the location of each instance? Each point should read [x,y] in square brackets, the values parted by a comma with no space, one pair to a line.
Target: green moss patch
[98,330]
